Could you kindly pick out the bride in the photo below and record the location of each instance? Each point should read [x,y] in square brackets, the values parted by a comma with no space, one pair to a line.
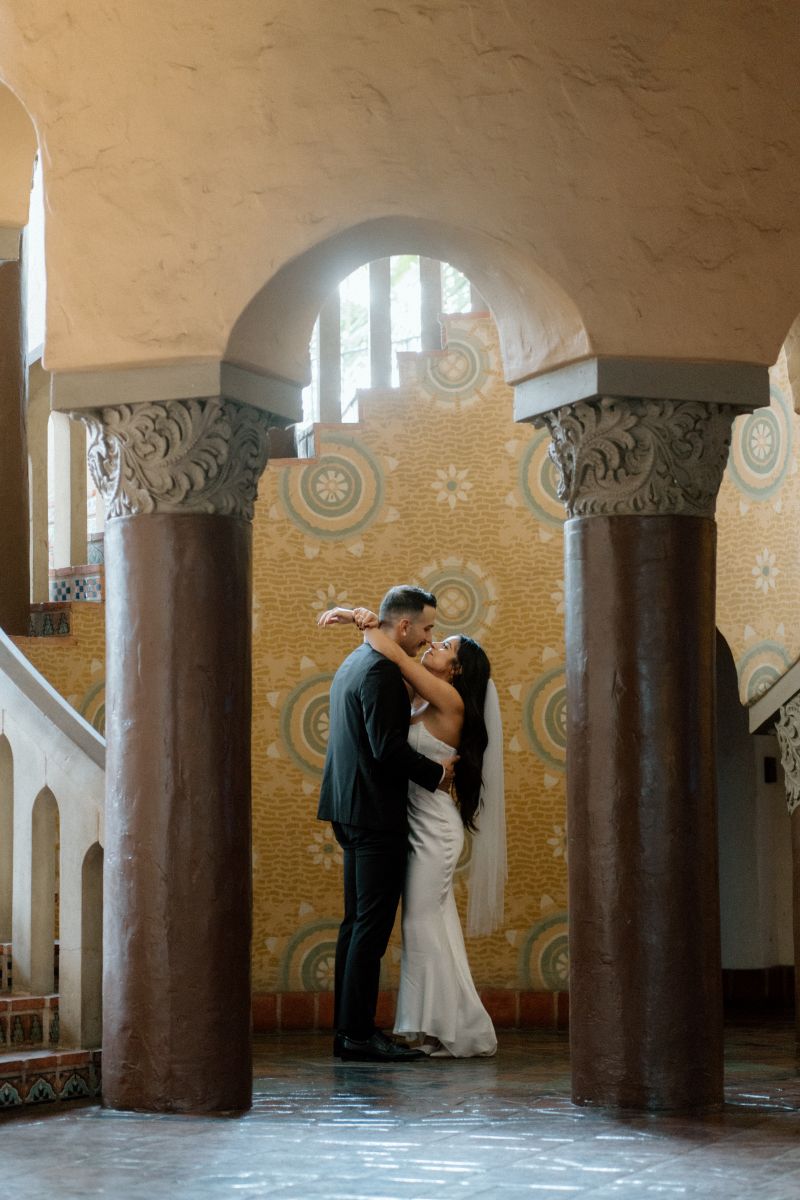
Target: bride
[455,708]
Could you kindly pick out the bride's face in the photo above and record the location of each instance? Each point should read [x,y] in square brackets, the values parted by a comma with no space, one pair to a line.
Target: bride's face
[442,657]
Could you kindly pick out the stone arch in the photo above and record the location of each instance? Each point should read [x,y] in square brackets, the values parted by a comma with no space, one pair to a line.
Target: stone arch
[539,324]
[18,144]
[44,887]
[92,946]
[6,837]
[753,869]
[792,348]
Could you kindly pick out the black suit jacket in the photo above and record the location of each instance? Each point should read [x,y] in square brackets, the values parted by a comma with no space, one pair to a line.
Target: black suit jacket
[369,761]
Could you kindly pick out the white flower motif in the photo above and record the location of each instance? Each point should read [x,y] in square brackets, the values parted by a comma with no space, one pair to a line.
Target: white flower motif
[558,596]
[324,973]
[328,598]
[325,850]
[452,485]
[761,438]
[559,841]
[453,602]
[331,485]
[765,571]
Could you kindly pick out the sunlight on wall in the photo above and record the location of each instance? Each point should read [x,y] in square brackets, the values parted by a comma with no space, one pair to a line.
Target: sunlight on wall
[354,327]
[33,266]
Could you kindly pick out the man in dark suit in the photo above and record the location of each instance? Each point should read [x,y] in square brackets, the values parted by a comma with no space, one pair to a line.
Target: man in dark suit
[364,793]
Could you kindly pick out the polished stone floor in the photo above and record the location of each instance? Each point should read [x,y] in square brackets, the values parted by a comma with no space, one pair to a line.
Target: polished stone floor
[501,1128]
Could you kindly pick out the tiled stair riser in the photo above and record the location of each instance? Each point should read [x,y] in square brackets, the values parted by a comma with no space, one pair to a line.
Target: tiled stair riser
[46,1078]
[28,1022]
[50,620]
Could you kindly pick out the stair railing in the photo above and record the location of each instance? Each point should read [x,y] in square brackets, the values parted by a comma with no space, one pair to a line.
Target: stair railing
[52,783]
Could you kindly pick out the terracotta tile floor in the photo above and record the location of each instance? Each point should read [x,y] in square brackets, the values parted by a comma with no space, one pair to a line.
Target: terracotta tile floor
[500,1128]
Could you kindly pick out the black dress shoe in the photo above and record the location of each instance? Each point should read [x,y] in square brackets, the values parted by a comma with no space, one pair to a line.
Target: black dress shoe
[377,1048]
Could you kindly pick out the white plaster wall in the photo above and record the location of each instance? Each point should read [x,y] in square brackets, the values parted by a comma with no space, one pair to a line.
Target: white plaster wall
[642,155]
[52,747]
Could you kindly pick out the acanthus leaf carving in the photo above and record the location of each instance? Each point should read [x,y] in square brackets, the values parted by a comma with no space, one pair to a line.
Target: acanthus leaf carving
[192,455]
[787,727]
[640,457]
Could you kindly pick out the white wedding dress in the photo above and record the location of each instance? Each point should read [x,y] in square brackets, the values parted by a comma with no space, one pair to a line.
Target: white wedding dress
[437,998]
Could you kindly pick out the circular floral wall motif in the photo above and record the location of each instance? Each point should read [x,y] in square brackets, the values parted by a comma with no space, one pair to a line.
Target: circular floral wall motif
[304,723]
[544,717]
[337,495]
[538,480]
[458,374]
[465,596]
[763,665]
[544,955]
[761,448]
[308,961]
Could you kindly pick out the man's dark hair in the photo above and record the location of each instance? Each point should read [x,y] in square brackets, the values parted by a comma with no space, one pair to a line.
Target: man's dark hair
[404,601]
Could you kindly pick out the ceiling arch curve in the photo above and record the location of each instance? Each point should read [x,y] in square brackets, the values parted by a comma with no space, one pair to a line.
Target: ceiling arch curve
[538,322]
[18,144]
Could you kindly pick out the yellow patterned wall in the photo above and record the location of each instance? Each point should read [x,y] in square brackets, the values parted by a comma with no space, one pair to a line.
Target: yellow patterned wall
[436,485]
[75,665]
[758,514]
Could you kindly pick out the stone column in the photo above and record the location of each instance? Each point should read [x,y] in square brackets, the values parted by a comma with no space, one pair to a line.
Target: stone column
[14,532]
[179,481]
[787,727]
[639,479]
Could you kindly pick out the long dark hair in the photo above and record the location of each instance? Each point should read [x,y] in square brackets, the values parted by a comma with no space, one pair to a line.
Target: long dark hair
[470,681]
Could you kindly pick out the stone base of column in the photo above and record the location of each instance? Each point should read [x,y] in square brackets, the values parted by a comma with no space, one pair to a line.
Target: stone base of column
[177,904]
[645,986]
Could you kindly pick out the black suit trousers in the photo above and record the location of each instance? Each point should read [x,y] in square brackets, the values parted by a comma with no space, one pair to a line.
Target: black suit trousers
[374,870]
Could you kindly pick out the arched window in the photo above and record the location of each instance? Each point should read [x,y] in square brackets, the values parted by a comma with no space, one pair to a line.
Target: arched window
[387,307]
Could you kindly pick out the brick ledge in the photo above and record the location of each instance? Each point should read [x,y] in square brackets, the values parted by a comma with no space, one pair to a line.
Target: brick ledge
[509,1008]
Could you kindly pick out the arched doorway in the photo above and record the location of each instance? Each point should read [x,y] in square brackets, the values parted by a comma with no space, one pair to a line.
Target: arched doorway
[755,858]
[44,891]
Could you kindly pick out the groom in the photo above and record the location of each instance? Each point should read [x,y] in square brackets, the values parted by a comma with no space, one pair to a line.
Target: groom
[364,792]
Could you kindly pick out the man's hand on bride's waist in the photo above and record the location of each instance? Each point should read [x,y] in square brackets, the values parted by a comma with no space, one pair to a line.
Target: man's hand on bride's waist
[448,778]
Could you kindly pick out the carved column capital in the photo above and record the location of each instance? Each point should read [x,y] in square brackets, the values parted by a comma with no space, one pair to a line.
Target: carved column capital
[177,456]
[640,457]
[787,728]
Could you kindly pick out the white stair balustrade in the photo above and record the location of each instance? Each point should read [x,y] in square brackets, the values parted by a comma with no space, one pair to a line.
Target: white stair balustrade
[55,762]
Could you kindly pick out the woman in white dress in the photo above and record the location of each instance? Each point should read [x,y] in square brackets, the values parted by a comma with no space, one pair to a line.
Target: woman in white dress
[437,1004]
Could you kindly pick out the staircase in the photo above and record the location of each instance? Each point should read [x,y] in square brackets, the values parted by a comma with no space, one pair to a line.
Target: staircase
[51,810]
[33,1068]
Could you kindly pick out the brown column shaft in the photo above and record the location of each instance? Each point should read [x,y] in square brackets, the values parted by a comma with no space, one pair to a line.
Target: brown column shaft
[177,904]
[645,985]
[14,532]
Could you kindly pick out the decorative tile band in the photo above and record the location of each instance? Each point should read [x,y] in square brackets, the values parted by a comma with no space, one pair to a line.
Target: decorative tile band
[85,582]
[50,620]
[46,1079]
